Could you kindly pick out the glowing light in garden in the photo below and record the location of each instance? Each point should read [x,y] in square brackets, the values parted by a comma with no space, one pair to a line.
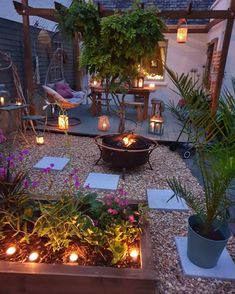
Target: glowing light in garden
[73,257]
[11,250]
[134,253]
[33,256]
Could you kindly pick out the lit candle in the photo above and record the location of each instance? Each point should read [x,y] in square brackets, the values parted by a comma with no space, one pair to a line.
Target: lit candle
[140,83]
[73,257]
[11,250]
[2,100]
[152,85]
[33,256]
[18,103]
[134,254]
[152,126]
[40,139]
[95,83]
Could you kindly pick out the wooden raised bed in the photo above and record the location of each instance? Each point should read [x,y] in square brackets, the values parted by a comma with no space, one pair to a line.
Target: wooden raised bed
[39,278]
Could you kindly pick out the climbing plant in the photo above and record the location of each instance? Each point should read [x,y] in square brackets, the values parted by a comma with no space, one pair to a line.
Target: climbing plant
[113,46]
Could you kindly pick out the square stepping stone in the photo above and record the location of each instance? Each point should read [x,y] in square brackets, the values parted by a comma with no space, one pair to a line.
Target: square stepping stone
[59,162]
[158,199]
[102,181]
[225,268]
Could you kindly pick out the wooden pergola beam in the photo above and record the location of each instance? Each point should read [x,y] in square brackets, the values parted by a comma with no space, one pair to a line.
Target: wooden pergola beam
[46,13]
[224,54]
[171,14]
[192,29]
[28,70]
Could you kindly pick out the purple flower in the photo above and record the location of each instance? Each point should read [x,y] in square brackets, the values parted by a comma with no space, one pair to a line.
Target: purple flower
[46,170]
[35,184]
[20,158]
[77,184]
[25,184]
[24,152]
[52,165]
[122,192]
[87,186]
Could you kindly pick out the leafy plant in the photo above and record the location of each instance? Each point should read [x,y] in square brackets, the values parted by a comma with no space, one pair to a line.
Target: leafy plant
[61,221]
[113,45]
[215,146]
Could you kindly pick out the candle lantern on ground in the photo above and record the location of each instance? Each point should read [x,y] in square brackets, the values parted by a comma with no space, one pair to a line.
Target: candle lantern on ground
[63,120]
[40,139]
[3,95]
[156,125]
[103,123]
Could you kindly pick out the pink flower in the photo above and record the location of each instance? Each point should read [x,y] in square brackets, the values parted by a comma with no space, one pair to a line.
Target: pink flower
[131,218]
[110,210]
[25,184]
[115,211]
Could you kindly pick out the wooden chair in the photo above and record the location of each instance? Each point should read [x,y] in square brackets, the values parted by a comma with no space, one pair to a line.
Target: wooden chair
[139,108]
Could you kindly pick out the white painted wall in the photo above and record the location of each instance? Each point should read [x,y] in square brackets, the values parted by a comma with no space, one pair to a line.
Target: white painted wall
[181,58]
[218,32]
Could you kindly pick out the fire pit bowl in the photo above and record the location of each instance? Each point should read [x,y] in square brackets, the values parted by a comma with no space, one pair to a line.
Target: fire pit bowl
[125,150]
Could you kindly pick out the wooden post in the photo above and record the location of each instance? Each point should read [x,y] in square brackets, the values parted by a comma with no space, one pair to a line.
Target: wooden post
[76,54]
[27,53]
[224,54]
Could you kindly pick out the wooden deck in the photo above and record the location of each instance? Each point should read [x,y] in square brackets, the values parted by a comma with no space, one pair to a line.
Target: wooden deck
[88,125]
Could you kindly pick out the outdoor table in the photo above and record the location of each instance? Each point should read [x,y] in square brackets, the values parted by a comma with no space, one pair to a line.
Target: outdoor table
[96,92]
[14,107]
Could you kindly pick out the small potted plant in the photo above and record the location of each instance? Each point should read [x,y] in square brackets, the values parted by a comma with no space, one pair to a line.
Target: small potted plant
[208,230]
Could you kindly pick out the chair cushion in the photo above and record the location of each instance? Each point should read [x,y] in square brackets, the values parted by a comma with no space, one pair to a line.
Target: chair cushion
[64,90]
[78,94]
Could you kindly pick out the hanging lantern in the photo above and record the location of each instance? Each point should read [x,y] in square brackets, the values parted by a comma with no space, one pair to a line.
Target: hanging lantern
[44,39]
[103,123]
[63,121]
[156,125]
[182,34]
[182,31]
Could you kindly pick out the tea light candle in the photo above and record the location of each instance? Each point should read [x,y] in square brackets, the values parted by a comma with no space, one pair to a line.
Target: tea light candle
[18,103]
[73,257]
[2,100]
[33,256]
[152,85]
[134,254]
[11,250]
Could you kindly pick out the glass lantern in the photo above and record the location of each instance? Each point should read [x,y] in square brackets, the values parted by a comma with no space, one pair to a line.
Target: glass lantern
[103,123]
[63,120]
[3,95]
[156,125]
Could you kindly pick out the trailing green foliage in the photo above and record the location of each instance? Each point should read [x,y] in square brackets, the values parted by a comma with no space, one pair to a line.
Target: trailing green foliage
[213,135]
[114,45]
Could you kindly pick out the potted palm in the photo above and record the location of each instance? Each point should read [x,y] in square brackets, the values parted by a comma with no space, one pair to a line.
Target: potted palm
[208,230]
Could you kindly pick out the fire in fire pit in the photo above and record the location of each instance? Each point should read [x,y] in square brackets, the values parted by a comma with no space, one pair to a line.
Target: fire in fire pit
[125,150]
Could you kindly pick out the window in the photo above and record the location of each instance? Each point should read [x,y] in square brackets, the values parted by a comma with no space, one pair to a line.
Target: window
[154,66]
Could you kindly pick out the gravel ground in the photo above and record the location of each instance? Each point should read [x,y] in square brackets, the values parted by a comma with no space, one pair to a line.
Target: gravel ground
[164,225]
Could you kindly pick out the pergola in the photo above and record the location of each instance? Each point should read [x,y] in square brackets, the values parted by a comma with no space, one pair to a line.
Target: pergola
[216,16]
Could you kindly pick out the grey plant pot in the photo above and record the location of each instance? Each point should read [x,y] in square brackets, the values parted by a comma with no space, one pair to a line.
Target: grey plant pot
[204,252]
